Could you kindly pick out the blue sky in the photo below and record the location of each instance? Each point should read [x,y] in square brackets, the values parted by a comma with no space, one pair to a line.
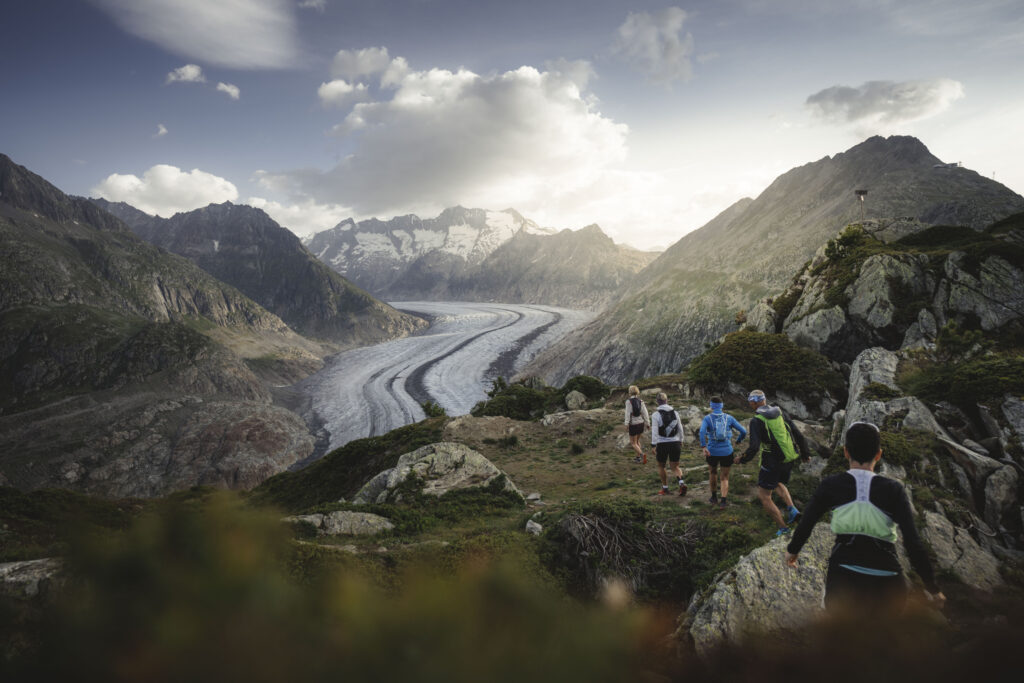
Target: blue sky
[647,118]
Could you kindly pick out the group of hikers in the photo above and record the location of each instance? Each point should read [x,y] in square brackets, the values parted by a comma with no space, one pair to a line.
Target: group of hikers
[863,569]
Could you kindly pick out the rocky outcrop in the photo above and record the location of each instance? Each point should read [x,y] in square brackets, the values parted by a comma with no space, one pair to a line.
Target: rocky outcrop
[30,579]
[958,553]
[877,366]
[761,594]
[692,293]
[575,400]
[437,469]
[343,523]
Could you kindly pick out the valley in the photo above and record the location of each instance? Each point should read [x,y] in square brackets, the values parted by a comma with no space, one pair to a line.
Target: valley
[371,390]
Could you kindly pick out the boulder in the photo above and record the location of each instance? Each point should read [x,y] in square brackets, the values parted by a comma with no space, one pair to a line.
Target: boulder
[957,552]
[1001,496]
[441,467]
[762,318]
[978,467]
[816,330]
[872,293]
[995,295]
[31,578]
[761,594]
[1013,411]
[922,332]
[533,528]
[575,400]
[343,523]
[878,366]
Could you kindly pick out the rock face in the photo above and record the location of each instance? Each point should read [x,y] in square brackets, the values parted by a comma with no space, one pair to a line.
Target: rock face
[441,467]
[957,552]
[903,298]
[342,523]
[247,249]
[477,255]
[878,366]
[761,594]
[123,369]
[692,293]
[30,579]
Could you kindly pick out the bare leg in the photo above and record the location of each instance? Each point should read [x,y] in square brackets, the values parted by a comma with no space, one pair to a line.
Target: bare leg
[725,481]
[765,496]
[784,493]
[713,477]
[634,441]
[662,474]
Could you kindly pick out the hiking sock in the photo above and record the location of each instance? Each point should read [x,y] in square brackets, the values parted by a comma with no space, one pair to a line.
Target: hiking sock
[714,496]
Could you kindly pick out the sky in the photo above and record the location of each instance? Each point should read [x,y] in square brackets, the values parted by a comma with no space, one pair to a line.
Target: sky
[647,118]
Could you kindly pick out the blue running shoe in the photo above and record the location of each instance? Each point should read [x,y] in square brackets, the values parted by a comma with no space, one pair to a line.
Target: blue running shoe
[783,531]
[793,514]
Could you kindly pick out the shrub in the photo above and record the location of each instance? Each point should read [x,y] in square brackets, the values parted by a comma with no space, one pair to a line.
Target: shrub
[591,387]
[768,361]
[432,409]
[974,381]
[517,401]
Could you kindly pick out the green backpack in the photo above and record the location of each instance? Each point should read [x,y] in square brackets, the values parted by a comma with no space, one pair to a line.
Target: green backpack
[780,440]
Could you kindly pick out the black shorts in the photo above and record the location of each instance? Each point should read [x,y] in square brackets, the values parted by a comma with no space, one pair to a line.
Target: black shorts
[846,589]
[668,451]
[716,461]
[773,473]
[636,429]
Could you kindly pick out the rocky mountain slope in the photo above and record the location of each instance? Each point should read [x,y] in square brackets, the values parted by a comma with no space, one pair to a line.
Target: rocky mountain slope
[695,289]
[247,249]
[477,255]
[125,369]
[574,269]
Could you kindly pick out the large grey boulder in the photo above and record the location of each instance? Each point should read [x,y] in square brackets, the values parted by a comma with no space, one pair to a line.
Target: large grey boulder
[575,400]
[441,467]
[957,552]
[995,295]
[762,318]
[815,330]
[344,523]
[922,332]
[31,578]
[978,467]
[1013,411]
[761,594]
[883,278]
[878,366]
[1001,496]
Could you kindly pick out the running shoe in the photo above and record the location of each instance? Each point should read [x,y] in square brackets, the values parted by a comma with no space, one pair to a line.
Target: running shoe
[793,514]
[637,460]
[722,503]
[713,500]
[783,531]
[682,489]
[663,492]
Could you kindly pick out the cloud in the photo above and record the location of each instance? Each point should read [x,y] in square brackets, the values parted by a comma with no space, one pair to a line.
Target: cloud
[190,73]
[318,5]
[446,137]
[652,44]
[304,218]
[877,106]
[245,34]
[340,93]
[353,65]
[161,130]
[165,190]
[232,90]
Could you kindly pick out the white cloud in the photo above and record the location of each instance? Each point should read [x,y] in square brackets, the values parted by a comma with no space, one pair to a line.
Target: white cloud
[653,44]
[318,5]
[457,137]
[190,73]
[245,34]
[161,130]
[341,93]
[352,65]
[881,106]
[232,90]
[165,190]
[304,218]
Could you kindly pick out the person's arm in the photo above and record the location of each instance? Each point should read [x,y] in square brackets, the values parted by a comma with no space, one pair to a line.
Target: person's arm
[655,421]
[735,424]
[704,433]
[643,411]
[629,412]
[821,502]
[904,517]
[754,444]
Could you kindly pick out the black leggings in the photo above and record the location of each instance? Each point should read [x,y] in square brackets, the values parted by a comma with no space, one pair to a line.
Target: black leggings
[846,589]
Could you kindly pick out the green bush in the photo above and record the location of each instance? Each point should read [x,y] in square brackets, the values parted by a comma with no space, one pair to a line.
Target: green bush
[973,381]
[517,401]
[591,387]
[432,409]
[771,362]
